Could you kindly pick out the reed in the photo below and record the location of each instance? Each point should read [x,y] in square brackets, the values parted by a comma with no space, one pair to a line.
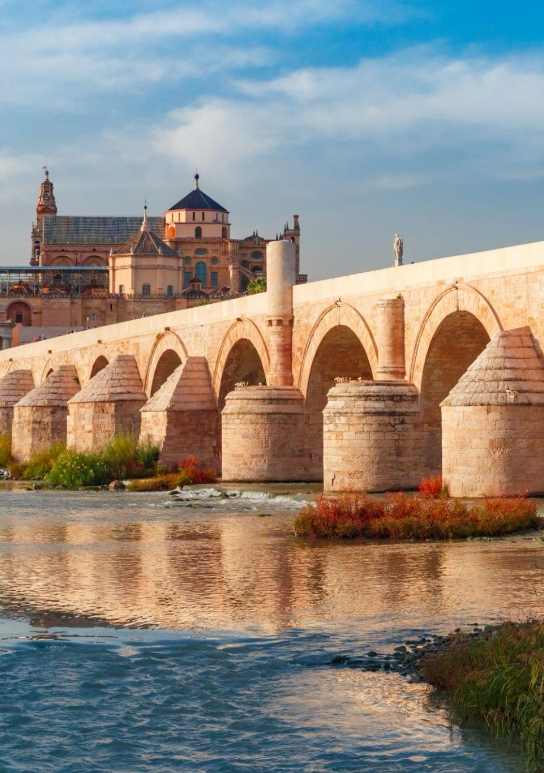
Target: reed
[498,679]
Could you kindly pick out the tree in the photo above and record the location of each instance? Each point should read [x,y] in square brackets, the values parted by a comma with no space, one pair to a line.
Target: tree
[258,285]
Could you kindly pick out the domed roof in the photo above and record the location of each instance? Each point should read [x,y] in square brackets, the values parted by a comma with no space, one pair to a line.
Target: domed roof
[197,200]
[145,242]
[118,381]
[509,370]
[56,390]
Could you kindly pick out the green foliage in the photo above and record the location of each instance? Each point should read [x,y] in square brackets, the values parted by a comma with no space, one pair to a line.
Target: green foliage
[40,463]
[126,459]
[73,469]
[257,285]
[498,679]
[403,517]
[6,458]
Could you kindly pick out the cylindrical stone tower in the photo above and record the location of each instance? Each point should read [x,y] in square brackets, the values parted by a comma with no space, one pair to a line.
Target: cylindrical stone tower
[262,426]
[493,421]
[13,387]
[371,437]
[390,339]
[263,438]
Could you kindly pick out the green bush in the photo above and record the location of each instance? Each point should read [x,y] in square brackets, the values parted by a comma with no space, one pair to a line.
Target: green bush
[41,462]
[5,451]
[73,469]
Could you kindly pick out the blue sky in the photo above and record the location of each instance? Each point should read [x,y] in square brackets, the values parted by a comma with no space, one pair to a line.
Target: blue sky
[365,118]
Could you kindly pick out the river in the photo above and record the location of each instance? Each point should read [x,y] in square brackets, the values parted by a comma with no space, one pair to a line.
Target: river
[140,633]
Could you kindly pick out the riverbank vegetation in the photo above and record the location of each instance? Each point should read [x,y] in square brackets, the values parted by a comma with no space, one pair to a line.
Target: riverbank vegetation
[400,516]
[498,679]
[121,459]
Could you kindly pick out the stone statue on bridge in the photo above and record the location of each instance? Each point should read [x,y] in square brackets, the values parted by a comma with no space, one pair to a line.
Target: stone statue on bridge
[398,249]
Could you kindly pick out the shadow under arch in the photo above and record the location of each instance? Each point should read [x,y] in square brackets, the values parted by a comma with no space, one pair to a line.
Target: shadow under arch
[170,345]
[249,368]
[99,364]
[456,330]
[50,366]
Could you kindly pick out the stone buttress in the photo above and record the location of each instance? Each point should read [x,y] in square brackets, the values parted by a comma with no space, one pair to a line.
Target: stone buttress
[109,405]
[372,429]
[181,417]
[39,418]
[13,387]
[493,421]
[263,426]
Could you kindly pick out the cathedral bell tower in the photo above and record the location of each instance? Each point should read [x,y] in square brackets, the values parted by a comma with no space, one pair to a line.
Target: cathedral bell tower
[46,206]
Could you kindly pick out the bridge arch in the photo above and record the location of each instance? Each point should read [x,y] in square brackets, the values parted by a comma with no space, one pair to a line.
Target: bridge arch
[458,297]
[243,356]
[99,364]
[51,365]
[167,354]
[340,345]
[456,329]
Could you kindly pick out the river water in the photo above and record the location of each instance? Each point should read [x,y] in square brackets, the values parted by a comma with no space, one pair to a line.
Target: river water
[140,633]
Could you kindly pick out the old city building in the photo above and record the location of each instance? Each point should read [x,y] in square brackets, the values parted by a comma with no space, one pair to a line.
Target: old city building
[88,271]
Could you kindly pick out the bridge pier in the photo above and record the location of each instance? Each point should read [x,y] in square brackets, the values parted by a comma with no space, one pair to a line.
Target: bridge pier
[13,387]
[109,405]
[181,417]
[40,418]
[263,426]
[493,421]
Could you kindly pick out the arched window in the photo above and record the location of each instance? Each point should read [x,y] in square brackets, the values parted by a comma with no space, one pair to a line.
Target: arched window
[214,279]
[170,290]
[201,271]
[224,232]
[244,281]
[121,289]
[171,232]
[198,232]
[146,289]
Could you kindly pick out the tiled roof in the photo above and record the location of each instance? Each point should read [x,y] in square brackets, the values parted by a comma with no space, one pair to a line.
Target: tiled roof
[118,381]
[56,390]
[14,386]
[509,370]
[79,229]
[198,200]
[145,243]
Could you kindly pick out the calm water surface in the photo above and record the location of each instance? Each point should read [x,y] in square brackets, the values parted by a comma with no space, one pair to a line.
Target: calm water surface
[143,634]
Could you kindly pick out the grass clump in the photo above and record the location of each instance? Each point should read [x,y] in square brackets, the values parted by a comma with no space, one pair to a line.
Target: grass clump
[39,465]
[6,459]
[165,482]
[73,469]
[499,680]
[126,459]
[433,488]
[402,517]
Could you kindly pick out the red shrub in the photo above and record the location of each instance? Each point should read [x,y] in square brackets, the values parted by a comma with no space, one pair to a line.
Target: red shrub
[433,488]
[191,473]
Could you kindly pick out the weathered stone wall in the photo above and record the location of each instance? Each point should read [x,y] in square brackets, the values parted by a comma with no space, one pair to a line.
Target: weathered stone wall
[372,437]
[36,428]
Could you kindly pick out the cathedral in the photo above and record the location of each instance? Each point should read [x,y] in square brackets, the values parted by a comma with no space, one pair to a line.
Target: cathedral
[89,271]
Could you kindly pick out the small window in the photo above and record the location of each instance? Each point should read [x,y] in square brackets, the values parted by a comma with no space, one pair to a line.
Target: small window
[256,268]
[203,216]
[186,278]
[244,264]
[187,261]
[121,289]
[170,290]
[224,232]
[256,255]
[194,216]
[244,281]
[198,232]
[146,290]
[214,279]
[201,251]
[18,317]
[215,261]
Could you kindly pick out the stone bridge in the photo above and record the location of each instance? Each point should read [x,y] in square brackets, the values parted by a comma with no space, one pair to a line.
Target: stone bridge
[248,385]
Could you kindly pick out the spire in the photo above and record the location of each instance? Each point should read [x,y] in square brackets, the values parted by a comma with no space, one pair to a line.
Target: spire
[46,199]
[145,224]
[197,178]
